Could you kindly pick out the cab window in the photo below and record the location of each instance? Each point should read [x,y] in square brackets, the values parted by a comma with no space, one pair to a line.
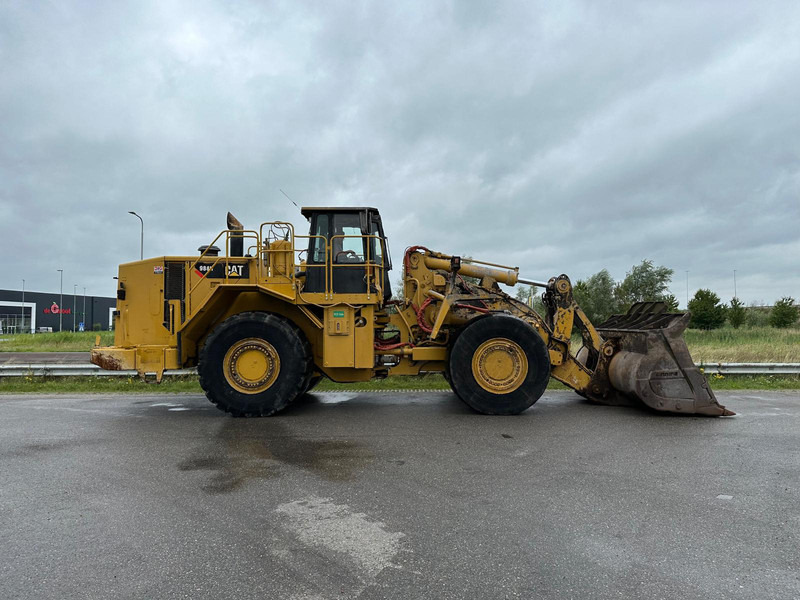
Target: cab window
[318,243]
[376,244]
[347,249]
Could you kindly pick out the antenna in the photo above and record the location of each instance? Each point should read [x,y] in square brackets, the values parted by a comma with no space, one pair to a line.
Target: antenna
[290,200]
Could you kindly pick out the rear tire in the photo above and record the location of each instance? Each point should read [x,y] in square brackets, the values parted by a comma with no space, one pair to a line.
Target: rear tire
[499,365]
[254,364]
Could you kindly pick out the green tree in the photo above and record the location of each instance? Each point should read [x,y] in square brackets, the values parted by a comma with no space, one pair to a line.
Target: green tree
[784,313]
[528,295]
[672,302]
[643,283]
[398,289]
[737,313]
[596,297]
[707,311]
[523,293]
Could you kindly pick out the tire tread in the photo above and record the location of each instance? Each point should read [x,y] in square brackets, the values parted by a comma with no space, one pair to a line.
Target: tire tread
[208,373]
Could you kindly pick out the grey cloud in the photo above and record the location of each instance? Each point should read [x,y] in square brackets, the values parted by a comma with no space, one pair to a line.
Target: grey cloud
[561,138]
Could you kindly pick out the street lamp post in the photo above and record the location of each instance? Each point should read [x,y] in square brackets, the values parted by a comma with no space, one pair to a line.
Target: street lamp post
[74,294]
[61,300]
[687,290]
[141,242]
[22,325]
[83,314]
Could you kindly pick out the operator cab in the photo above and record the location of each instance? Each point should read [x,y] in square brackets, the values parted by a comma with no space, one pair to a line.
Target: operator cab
[341,239]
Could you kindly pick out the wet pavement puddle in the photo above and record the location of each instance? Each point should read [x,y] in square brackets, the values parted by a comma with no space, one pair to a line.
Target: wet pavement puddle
[244,450]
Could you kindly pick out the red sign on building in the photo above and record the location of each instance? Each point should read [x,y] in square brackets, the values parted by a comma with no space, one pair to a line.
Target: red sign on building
[55,310]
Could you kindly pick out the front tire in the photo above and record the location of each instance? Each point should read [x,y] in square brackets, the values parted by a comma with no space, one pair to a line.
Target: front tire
[254,364]
[499,365]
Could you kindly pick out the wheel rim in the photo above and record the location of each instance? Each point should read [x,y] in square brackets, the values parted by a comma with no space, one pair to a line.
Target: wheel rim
[499,366]
[251,365]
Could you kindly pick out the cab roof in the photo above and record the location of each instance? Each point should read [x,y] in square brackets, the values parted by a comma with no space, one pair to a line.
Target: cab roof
[307,211]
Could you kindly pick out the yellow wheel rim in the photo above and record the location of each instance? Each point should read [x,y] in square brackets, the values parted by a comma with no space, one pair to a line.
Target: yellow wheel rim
[251,365]
[499,366]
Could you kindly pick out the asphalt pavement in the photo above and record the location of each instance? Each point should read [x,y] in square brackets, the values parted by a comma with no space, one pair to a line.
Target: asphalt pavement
[397,496]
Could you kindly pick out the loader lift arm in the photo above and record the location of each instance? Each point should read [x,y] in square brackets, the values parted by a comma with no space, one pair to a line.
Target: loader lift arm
[638,357]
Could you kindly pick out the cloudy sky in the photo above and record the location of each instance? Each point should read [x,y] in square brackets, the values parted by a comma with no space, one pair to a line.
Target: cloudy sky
[556,136]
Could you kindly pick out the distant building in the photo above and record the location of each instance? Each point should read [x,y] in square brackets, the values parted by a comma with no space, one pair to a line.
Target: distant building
[41,311]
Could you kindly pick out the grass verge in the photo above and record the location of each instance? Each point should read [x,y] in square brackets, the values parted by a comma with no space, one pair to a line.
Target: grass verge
[747,344]
[754,382]
[189,384]
[97,385]
[61,341]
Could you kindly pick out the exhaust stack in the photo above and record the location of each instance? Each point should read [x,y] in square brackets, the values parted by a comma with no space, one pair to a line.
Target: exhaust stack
[237,241]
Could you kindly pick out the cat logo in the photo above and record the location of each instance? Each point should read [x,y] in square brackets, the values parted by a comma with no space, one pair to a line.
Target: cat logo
[220,270]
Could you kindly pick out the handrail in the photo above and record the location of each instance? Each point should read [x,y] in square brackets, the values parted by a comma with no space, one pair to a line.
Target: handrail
[238,233]
[308,264]
[270,232]
[366,264]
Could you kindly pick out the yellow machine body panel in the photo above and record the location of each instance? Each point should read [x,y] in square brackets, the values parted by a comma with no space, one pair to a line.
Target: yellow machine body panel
[166,306]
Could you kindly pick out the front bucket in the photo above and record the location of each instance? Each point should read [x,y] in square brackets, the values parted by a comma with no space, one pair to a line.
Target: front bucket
[652,364]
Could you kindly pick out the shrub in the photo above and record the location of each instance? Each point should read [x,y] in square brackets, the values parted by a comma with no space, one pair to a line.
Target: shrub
[784,313]
[97,327]
[737,313]
[757,315]
[707,312]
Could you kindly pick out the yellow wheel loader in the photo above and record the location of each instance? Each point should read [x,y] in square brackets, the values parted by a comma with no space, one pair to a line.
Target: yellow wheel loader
[269,315]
